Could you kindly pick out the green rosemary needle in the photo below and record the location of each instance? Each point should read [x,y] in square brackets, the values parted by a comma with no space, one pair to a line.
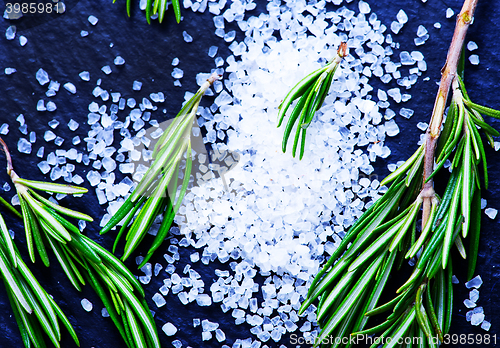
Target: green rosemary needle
[311,92]
[35,311]
[157,7]
[82,259]
[150,197]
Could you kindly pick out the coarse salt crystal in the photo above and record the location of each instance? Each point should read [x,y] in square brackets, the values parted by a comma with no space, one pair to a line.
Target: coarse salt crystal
[93,19]
[491,213]
[87,305]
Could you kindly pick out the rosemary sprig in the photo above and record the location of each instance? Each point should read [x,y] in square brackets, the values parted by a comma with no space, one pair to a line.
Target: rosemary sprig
[150,197]
[82,259]
[157,7]
[350,284]
[35,311]
[311,92]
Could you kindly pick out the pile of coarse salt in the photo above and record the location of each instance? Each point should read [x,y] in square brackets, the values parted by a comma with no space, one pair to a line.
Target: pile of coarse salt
[279,216]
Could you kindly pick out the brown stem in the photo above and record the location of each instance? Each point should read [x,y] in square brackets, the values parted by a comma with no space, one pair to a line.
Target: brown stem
[10,168]
[449,72]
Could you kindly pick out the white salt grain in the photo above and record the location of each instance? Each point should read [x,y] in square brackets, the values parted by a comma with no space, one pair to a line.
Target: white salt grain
[9,71]
[187,37]
[469,304]
[212,51]
[84,75]
[475,282]
[449,12]
[491,213]
[486,325]
[169,329]
[136,86]
[23,40]
[402,17]
[119,60]
[477,318]
[474,295]
[70,87]
[177,73]
[87,305]
[10,33]
[472,46]
[93,19]
[106,69]
[24,146]
[42,77]
[474,59]
[421,31]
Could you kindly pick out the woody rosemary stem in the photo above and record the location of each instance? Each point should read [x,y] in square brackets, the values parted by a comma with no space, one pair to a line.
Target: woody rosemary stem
[449,73]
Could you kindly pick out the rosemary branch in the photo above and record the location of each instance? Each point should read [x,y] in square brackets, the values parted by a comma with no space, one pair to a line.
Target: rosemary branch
[449,73]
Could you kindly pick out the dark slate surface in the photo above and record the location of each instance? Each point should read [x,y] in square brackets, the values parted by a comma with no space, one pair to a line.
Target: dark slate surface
[57,47]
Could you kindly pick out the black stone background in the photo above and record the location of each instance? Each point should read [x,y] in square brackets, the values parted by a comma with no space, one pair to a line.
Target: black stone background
[56,46]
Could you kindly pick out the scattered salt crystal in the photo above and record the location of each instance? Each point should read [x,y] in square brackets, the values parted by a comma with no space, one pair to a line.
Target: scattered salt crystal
[396,27]
[406,58]
[421,31]
[212,51]
[475,282]
[472,46]
[220,335]
[474,59]
[40,105]
[51,106]
[106,69]
[203,300]
[422,126]
[24,146]
[84,75]
[9,71]
[454,279]
[449,12]
[87,305]
[169,329]
[42,77]
[486,325]
[437,25]
[406,113]
[206,335]
[474,295]
[491,213]
[402,17]
[84,33]
[469,304]
[10,33]
[23,40]
[187,37]
[104,313]
[4,129]
[136,86]
[177,73]
[477,318]
[49,136]
[119,60]
[70,87]
[159,300]
[93,19]
[230,36]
